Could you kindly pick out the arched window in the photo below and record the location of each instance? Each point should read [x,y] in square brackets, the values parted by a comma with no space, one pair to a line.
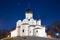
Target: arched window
[23,30]
[37,31]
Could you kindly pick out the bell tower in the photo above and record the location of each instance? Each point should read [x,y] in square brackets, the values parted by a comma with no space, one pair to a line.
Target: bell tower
[28,14]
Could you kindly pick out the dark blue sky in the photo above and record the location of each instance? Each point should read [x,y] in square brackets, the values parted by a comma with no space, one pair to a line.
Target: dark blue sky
[13,10]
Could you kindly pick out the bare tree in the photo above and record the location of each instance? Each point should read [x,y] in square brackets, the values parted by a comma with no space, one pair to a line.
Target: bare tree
[54,29]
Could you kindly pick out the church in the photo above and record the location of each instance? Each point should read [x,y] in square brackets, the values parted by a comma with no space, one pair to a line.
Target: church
[29,26]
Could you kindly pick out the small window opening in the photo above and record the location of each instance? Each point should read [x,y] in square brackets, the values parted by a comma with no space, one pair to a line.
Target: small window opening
[37,31]
[23,30]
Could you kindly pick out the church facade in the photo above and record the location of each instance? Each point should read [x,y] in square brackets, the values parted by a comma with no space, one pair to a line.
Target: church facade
[29,26]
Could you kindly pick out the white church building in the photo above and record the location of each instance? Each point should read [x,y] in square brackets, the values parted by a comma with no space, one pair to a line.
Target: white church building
[29,26]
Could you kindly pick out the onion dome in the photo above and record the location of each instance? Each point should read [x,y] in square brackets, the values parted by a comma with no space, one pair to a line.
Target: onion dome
[28,11]
[38,19]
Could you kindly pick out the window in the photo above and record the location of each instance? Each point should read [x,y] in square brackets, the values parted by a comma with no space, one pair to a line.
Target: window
[23,30]
[37,31]
[29,19]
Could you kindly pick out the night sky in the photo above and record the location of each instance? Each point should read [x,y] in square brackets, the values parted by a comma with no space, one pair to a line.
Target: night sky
[13,10]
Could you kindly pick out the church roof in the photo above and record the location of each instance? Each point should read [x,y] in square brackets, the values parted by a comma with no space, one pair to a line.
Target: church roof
[37,28]
[29,10]
[32,25]
[38,19]
[25,24]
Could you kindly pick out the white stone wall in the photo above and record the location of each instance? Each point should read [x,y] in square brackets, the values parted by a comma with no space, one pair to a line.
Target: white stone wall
[38,22]
[25,28]
[25,21]
[18,31]
[28,15]
[13,33]
[32,22]
[18,23]
[40,32]
[31,30]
